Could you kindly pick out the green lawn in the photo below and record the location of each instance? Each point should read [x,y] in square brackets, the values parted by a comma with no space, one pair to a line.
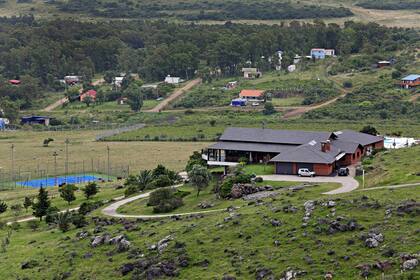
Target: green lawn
[259,169]
[284,102]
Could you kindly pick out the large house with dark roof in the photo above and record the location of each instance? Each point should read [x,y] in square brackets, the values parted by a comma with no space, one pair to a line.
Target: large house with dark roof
[291,150]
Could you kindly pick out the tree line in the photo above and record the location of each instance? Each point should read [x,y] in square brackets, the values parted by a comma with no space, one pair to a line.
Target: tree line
[42,52]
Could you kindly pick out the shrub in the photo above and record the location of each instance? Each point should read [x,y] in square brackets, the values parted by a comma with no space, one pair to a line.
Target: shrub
[91,189]
[130,190]
[164,200]
[258,180]
[51,215]
[63,220]
[87,207]
[226,188]
[242,179]
[78,220]
[33,225]
[347,84]
[161,182]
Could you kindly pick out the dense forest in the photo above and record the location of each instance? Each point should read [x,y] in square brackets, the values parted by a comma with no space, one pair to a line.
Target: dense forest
[200,10]
[49,50]
[390,4]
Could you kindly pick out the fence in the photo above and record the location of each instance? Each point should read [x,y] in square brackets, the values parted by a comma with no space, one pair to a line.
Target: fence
[54,173]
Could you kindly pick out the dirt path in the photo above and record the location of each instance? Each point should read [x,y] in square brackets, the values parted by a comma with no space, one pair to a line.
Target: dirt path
[302,110]
[175,95]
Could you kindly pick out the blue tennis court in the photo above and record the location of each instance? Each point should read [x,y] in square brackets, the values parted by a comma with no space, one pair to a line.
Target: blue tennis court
[52,181]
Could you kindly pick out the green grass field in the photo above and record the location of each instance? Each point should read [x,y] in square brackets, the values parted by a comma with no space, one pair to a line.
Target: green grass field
[238,246]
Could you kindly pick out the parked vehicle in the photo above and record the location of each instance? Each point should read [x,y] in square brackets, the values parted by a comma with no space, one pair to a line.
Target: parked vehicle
[255,104]
[343,171]
[304,172]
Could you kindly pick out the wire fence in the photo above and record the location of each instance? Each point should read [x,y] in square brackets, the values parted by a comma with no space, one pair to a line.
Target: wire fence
[53,174]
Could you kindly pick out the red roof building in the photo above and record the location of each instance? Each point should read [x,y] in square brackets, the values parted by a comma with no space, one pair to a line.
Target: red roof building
[252,94]
[14,82]
[92,93]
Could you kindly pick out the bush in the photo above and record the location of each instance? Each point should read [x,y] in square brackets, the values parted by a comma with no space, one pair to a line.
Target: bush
[161,182]
[130,190]
[347,84]
[87,207]
[79,220]
[242,179]
[258,180]
[51,215]
[33,225]
[226,188]
[165,200]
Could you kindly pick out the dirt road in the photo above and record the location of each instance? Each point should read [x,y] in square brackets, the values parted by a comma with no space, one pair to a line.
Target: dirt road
[175,95]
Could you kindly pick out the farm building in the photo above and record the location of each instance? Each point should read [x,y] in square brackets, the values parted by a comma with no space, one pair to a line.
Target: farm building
[251,73]
[383,63]
[321,53]
[117,81]
[35,120]
[72,80]
[172,80]
[252,94]
[91,93]
[290,150]
[410,81]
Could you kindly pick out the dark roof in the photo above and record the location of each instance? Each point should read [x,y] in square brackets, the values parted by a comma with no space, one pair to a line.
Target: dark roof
[251,147]
[357,137]
[259,135]
[346,146]
[308,153]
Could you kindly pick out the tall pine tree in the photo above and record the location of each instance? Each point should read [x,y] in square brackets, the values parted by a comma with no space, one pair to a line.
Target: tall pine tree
[42,204]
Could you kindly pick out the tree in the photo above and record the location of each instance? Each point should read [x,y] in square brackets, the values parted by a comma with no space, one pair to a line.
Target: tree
[195,159]
[73,93]
[27,202]
[269,109]
[42,204]
[47,142]
[63,220]
[199,177]
[144,179]
[3,207]
[67,192]
[16,209]
[135,99]
[88,100]
[91,189]
[369,130]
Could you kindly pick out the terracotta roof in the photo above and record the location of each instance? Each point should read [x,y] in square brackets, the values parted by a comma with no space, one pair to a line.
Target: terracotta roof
[251,93]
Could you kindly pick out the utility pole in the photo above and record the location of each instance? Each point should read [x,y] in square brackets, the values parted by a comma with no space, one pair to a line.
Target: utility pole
[107,148]
[67,158]
[55,154]
[13,164]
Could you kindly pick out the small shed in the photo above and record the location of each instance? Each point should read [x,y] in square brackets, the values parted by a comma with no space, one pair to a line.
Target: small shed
[251,73]
[172,80]
[239,102]
[383,63]
[35,120]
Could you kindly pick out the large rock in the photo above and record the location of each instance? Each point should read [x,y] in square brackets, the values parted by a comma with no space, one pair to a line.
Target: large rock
[97,241]
[162,244]
[410,264]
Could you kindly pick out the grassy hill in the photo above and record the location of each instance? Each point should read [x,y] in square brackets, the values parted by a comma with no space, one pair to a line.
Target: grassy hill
[261,238]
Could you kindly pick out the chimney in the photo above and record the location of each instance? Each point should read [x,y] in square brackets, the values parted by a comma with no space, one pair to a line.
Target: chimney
[326,146]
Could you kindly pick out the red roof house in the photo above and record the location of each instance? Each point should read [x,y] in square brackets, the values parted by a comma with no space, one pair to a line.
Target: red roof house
[92,93]
[252,94]
[14,82]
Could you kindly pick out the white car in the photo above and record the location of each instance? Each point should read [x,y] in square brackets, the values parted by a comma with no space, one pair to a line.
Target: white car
[304,172]
[255,104]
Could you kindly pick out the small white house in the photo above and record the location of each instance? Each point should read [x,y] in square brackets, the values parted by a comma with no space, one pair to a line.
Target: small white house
[251,73]
[297,59]
[172,80]
[118,81]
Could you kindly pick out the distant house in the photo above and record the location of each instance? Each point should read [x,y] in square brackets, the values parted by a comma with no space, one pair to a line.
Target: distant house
[172,80]
[72,80]
[231,85]
[3,123]
[317,53]
[122,101]
[15,82]
[118,81]
[239,102]
[383,63]
[251,73]
[252,94]
[35,120]
[297,59]
[411,81]
[92,93]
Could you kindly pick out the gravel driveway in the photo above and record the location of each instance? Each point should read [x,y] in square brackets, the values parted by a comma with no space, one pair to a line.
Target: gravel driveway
[348,183]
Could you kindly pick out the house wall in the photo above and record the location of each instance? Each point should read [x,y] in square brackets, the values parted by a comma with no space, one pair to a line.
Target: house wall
[323,169]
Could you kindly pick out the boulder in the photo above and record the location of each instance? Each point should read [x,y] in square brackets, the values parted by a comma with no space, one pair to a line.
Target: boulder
[275,223]
[97,241]
[264,273]
[371,243]
[410,264]
[162,244]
